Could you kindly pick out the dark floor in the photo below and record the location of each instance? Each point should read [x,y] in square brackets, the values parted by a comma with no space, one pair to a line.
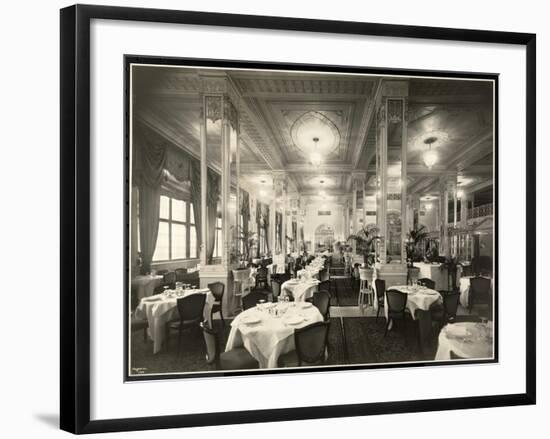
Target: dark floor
[355,339]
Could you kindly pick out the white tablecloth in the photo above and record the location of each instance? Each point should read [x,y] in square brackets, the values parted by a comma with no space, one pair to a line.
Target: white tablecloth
[159,309]
[435,273]
[418,298]
[465,339]
[300,289]
[465,290]
[145,285]
[272,336]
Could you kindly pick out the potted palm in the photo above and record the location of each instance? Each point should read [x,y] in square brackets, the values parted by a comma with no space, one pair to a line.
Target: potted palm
[414,238]
[364,243]
[249,241]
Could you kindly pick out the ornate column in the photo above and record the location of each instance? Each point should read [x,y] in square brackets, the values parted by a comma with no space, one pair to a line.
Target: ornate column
[280,195]
[391,165]
[358,193]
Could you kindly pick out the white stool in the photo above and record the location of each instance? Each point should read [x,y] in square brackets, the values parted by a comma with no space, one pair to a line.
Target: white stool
[366,294]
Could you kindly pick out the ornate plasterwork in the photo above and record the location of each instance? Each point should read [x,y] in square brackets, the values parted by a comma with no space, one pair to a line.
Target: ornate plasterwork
[315,132]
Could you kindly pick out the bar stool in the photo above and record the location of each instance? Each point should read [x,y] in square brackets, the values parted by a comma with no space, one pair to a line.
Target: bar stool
[365,292]
[241,284]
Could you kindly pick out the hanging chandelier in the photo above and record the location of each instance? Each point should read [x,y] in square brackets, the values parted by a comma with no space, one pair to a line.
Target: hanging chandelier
[315,157]
[430,156]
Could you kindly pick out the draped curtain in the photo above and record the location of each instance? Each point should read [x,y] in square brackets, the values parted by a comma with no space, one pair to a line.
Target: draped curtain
[259,226]
[149,164]
[266,226]
[212,197]
[245,212]
[278,232]
[154,156]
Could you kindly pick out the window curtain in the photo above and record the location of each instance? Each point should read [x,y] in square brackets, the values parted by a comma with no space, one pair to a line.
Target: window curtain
[154,156]
[278,232]
[265,216]
[149,166]
[294,235]
[245,212]
[259,226]
[212,197]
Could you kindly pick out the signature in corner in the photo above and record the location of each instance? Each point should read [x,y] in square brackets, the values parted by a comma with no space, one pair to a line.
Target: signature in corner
[139,369]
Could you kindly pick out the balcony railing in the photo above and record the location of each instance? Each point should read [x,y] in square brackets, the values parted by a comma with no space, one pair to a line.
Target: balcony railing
[481,211]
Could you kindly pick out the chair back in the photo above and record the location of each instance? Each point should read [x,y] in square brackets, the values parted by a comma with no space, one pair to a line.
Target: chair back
[191,307]
[276,288]
[324,286]
[427,282]
[217,289]
[380,285]
[261,274]
[180,274]
[169,279]
[212,342]
[311,342]
[479,290]
[321,299]
[450,303]
[397,301]
[251,299]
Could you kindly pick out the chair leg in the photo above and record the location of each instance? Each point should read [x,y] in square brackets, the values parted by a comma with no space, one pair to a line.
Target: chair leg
[387,326]
[221,315]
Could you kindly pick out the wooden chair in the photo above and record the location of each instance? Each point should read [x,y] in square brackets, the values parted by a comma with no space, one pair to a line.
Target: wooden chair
[427,282]
[261,277]
[321,299]
[480,288]
[237,358]
[397,305]
[139,325]
[217,289]
[311,345]
[180,274]
[190,310]
[380,286]
[250,300]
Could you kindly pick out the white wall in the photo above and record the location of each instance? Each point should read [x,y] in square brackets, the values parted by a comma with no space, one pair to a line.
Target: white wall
[29,177]
[312,220]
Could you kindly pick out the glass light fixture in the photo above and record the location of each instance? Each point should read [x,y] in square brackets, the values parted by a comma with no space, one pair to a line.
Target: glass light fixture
[459,193]
[315,157]
[430,156]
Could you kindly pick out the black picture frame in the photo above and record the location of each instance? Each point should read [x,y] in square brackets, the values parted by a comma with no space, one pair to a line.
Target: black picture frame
[75,217]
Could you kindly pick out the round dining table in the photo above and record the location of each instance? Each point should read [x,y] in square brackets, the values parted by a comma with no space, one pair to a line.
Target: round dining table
[301,289]
[267,330]
[161,308]
[467,340]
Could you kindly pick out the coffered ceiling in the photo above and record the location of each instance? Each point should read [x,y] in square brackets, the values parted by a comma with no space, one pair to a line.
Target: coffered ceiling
[281,116]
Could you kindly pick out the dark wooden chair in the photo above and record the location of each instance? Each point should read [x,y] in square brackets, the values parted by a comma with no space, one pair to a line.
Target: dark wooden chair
[311,344]
[276,284]
[397,306]
[237,358]
[427,282]
[180,274]
[480,288]
[190,310]
[261,277]
[445,312]
[380,285]
[139,325]
[321,299]
[217,289]
[168,281]
[250,300]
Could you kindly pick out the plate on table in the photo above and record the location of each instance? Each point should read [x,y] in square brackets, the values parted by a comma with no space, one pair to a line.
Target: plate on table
[251,320]
[305,305]
[293,320]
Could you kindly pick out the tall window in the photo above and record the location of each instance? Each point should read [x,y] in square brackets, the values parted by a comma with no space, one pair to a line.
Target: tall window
[177,236]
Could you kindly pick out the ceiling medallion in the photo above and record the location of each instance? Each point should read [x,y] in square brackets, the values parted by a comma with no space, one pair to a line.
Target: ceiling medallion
[314,133]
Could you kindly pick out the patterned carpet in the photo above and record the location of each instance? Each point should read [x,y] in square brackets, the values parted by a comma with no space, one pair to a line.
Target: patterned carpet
[352,340]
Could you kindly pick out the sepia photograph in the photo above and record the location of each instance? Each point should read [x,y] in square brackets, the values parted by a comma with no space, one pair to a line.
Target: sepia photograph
[305,219]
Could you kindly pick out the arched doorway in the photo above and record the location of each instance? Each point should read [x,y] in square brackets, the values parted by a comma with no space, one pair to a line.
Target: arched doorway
[324,238]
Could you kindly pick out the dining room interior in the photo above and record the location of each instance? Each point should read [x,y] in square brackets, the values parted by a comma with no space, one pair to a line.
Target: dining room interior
[288,219]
